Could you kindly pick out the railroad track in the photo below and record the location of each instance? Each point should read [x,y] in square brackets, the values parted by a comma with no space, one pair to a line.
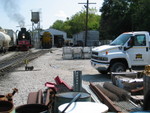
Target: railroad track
[18,59]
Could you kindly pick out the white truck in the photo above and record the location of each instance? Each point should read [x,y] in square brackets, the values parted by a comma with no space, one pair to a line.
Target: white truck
[130,50]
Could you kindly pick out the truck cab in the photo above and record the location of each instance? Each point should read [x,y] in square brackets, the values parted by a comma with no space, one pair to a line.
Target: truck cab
[129,50]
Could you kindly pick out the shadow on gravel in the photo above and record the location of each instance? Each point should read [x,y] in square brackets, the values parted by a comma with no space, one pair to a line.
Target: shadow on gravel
[26,70]
[97,78]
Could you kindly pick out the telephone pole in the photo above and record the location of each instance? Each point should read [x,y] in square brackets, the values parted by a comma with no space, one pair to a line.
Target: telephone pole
[86,21]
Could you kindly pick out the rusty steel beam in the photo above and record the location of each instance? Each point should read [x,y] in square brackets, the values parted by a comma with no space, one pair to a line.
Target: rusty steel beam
[137,91]
[109,94]
[112,107]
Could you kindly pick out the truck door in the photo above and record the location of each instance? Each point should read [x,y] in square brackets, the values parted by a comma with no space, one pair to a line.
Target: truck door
[139,52]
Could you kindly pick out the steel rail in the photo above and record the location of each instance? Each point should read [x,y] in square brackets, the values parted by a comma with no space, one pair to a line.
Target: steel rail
[16,60]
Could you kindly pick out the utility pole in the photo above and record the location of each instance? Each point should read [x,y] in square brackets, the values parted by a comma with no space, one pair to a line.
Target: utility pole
[86,21]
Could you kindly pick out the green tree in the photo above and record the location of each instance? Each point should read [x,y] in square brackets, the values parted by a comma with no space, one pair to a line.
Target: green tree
[124,15]
[77,22]
[114,18]
[140,15]
[58,24]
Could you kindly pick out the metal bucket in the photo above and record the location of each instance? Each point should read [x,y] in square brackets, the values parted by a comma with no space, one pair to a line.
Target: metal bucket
[62,98]
[32,108]
[6,107]
[84,107]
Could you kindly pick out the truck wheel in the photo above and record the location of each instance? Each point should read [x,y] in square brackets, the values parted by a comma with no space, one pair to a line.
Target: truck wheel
[103,72]
[118,67]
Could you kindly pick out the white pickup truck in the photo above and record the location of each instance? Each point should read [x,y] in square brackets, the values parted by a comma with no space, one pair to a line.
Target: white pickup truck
[129,50]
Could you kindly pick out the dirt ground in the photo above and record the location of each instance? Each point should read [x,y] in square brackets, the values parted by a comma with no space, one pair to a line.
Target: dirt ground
[46,68]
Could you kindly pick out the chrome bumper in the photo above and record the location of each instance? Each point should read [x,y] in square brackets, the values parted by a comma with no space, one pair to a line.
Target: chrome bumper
[100,66]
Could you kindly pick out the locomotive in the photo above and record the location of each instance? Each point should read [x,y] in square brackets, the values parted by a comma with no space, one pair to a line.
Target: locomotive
[46,40]
[23,40]
[58,41]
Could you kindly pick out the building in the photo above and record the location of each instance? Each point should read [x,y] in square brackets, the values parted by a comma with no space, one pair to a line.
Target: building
[55,35]
[92,38]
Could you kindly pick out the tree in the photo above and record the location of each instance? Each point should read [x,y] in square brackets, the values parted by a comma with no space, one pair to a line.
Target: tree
[58,24]
[124,15]
[140,15]
[114,18]
[76,23]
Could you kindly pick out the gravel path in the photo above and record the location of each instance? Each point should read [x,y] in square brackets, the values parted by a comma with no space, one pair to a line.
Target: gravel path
[46,68]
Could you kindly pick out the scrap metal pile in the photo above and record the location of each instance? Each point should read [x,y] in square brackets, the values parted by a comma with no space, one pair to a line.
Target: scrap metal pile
[120,95]
[128,91]
[47,97]
[116,98]
[126,96]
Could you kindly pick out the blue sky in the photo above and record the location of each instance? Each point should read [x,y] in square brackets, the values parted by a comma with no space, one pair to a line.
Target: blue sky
[51,10]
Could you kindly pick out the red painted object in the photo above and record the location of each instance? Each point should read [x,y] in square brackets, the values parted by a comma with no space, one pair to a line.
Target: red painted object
[56,86]
[60,81]
[24,45]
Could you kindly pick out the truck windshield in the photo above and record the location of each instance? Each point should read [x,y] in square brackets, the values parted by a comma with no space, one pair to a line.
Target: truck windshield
[121,39]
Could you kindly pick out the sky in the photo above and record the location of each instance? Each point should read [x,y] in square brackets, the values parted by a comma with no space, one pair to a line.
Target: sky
[15,13]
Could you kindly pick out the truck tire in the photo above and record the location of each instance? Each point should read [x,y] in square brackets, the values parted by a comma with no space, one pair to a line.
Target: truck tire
[103,72]
[118,67]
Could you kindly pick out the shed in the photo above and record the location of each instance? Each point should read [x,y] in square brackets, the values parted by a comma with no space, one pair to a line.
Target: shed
[92,38]
[56,34]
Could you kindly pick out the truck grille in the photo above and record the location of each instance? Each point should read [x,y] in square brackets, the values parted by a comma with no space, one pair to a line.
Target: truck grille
[99,58]
[94,57]
[94,53]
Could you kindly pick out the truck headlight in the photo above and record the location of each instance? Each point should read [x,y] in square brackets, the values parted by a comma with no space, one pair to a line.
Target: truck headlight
[103,58]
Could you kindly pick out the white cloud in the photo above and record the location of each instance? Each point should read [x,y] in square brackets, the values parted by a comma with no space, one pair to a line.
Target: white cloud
[61,14]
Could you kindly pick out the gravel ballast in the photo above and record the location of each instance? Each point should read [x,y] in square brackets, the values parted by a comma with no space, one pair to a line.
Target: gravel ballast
[46,68]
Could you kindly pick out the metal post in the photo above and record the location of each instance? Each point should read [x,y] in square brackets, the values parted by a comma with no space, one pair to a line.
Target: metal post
[86,21]
[77,81]
[86,25]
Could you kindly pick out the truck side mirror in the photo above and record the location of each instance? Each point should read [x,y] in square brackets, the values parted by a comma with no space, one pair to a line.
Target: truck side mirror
[131,41]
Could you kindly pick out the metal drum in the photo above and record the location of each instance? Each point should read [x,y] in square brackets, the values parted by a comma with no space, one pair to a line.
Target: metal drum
[84,107]
[6,107]
[32,108]
[62,98]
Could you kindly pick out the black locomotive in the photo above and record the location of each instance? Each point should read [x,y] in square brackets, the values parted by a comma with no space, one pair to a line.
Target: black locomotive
[24,40]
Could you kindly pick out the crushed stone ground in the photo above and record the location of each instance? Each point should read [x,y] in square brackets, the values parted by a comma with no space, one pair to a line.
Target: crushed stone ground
[46,68]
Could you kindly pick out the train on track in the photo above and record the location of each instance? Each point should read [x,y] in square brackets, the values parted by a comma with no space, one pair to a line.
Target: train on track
[58,41]
[4,42]
[23,40]
[46,40]
[9,40]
